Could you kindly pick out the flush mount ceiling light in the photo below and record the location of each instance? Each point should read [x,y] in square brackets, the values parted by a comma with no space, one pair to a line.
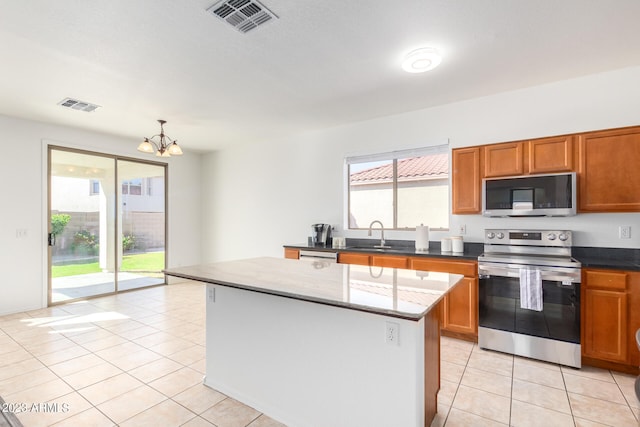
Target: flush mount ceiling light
[421,60]
[164,147]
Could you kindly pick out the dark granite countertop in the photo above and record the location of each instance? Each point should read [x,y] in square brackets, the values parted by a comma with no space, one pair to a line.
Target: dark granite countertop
[608,258]
[592,257]
[398,247]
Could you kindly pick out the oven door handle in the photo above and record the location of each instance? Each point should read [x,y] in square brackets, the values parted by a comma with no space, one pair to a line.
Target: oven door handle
[484,272]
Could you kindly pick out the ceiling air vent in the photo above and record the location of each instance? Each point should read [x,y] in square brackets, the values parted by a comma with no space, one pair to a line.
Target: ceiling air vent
[78,105]
[243,15]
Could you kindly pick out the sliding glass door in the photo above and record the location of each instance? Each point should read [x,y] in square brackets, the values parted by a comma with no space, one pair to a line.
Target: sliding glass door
[107,224]
[141,228]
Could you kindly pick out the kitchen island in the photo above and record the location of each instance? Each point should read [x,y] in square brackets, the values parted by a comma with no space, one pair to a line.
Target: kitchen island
[313,343]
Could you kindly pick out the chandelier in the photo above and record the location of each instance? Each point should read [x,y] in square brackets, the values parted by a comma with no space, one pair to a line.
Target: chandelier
[164,147]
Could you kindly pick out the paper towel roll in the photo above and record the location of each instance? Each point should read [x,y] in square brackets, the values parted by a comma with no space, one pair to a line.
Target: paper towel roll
[422,237]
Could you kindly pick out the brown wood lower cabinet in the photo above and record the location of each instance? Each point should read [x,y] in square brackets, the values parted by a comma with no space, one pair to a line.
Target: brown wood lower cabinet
[354,258]
[459,315]
[389,261]
[606,325]
[460,306]
[291,253]
[610,318]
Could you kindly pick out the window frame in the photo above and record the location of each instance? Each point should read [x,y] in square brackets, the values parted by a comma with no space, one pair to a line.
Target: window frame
[394,156]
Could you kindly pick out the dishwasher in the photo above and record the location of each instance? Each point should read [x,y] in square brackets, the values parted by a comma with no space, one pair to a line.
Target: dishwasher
[326,256]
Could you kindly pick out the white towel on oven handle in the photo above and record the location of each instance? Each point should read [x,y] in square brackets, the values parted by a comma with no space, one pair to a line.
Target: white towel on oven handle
[531,289]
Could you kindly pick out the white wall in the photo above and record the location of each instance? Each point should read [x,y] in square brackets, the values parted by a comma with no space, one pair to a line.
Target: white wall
[23,177]
[317,365]
[258,197]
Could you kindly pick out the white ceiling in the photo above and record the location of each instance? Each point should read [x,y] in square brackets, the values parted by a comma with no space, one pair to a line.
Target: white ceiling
[323,63]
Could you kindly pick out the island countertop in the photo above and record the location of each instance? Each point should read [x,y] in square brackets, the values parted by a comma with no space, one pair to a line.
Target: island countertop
[406,294]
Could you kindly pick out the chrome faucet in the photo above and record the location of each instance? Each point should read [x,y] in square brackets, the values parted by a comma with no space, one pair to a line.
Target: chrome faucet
[381,233]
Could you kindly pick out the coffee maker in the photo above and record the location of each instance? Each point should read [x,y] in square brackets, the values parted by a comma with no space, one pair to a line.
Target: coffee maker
[321,235]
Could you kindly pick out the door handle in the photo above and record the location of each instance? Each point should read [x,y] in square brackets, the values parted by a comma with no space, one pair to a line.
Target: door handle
[52,239]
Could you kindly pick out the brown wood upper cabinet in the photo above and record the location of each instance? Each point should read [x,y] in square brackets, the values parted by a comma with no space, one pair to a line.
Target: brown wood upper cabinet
[544,155]
[609,171]
[465,180]
[549,155]
[536,156]
[503,159]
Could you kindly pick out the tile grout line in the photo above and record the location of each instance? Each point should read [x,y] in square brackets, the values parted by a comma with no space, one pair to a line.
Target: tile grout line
[513,374]
[635,412]
[70,338]
[566,390]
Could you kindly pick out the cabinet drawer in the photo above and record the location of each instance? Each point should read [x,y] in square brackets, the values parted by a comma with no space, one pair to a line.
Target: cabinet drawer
[389,261]
[351,258]
[605,279]
[291,253]
[468,268]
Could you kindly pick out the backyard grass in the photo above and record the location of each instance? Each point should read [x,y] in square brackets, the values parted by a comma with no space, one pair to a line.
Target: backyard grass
[150,261]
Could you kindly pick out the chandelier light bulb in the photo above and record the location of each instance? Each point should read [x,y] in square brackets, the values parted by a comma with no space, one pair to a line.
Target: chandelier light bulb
[164,147]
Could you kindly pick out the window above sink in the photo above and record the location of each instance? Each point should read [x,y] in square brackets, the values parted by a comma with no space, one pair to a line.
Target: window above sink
[402,189]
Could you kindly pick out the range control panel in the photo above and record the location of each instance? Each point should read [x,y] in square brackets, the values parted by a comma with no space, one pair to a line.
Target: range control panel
[560,238]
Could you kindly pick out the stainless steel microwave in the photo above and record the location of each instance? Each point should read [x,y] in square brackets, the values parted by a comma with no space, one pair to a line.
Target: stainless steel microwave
[530,195]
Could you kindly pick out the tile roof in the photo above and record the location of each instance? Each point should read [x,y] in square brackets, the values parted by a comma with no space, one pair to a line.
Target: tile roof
[411,169]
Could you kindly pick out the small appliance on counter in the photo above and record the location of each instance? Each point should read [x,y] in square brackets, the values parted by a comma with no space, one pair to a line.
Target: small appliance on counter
[321,235]
[422,238]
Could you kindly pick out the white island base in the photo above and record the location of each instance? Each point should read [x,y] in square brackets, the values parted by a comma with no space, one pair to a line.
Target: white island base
[308,364]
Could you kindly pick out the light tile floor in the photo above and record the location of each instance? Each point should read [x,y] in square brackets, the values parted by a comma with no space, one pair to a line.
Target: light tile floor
[137,359]
[486,388]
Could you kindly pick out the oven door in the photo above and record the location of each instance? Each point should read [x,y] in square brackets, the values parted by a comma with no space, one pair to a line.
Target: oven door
[499,302]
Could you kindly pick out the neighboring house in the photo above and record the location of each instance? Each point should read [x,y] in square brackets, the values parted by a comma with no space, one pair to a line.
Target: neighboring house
[423,193]
[141,201]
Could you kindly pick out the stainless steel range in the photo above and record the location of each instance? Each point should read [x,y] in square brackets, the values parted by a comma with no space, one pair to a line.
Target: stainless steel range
[517,267]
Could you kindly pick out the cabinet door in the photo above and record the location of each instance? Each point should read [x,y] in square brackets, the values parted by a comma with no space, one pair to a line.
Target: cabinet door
[465,180]
[609,172]
[549,155]
[291,253]
[352,258]
[389,261]
[503,159]
[633,318]
[605,328]
[461,307]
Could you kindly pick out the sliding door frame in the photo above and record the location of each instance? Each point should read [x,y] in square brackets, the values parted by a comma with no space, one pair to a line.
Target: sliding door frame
[47,148]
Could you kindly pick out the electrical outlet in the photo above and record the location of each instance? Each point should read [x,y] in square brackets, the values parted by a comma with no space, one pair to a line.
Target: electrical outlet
[624,231]
[462,229]
[212,294]
[392,333]
[21,233]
